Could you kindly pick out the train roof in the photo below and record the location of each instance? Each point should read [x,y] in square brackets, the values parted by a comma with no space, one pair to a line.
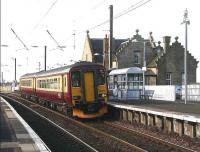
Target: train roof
[126,71]
[60,70]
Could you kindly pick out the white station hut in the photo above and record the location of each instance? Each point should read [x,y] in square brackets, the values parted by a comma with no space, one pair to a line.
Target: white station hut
[125,84]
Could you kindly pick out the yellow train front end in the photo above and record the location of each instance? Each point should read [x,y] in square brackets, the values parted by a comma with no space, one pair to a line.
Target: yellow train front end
[89,91]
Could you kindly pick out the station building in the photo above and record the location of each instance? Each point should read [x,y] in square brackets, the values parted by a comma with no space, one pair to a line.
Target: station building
[164,64]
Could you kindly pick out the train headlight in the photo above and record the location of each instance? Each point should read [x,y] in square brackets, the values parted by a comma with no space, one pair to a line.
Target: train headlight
[103,95]
[76,97]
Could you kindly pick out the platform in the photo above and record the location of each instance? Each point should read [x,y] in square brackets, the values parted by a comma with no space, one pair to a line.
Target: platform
[177,107]
[178,117]
[15,134]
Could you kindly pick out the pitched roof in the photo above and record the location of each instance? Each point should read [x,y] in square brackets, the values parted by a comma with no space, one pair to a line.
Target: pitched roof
[97,47]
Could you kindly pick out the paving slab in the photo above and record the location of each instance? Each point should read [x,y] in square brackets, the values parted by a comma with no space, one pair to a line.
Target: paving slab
[16,134]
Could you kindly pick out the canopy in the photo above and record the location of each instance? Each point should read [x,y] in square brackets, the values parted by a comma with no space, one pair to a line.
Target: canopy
[126,71]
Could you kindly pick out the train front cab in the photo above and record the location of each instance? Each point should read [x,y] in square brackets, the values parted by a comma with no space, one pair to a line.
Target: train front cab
[89,92]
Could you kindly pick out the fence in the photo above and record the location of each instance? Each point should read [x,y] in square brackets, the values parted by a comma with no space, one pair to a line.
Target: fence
[193,92]
[5,88]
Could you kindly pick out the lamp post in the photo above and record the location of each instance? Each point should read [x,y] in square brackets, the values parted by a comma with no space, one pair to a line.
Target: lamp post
[45,56]
[0,66]
[15,67]
[186,21]
[144,67]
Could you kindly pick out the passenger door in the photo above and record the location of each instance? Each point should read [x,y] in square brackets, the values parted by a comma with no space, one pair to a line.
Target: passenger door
[89,87]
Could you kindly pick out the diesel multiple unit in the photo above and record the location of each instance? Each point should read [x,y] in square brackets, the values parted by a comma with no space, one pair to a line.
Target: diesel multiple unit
[79,90]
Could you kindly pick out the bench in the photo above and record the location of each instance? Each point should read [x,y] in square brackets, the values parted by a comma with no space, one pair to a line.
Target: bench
[148,94]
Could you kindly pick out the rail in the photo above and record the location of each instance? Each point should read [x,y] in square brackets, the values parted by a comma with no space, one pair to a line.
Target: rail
[95,131]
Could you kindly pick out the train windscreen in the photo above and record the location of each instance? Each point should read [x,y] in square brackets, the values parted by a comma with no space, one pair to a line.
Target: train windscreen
[76,79]
[100,77]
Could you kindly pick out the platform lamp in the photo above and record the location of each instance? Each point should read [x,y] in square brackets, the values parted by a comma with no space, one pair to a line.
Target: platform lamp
[144,68]
[45,54]
[186,21]
[15,63]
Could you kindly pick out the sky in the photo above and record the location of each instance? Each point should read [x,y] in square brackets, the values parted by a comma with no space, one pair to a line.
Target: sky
[30,20]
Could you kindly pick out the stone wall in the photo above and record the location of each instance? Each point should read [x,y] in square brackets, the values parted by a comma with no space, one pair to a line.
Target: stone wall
[172,61]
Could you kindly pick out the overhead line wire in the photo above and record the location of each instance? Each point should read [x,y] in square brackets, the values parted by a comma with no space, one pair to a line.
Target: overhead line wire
[133,7]
[59,46]
[99,4]
[19,39]
[50,8]
[91,9]
[121,14]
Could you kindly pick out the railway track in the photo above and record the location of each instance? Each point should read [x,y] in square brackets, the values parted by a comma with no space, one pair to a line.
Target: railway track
[151,139]
[93,137]
[139,139]
[54,136]
[111,136]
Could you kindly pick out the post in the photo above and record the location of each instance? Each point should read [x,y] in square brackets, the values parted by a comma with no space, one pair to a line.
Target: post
[0,67]
[185,64]
[15,71]
[186,21]
[144,68]
[111,37]
[45,57]
[2,77]
[39,66]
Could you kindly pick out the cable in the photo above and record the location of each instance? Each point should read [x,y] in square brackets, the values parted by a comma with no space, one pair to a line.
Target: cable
[129,7]
[19,39]
[126,12]
[91,9]
[133,7]
[45,14]
[98,5]
[55,41]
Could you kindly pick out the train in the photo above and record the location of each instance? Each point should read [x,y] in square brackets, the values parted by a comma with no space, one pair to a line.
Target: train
[78,90]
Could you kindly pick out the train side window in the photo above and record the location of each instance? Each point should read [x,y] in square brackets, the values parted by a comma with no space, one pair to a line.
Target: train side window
[55,83]
[38,83]
[58,83]
[76,79]
[48,84]
[51,83]
[65,83]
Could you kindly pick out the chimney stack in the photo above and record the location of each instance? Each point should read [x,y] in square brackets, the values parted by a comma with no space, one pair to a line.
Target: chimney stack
[166,41]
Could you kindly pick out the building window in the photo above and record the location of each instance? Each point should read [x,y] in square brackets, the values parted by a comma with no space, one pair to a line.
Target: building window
[136,61]
[168,78]
[136,58]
